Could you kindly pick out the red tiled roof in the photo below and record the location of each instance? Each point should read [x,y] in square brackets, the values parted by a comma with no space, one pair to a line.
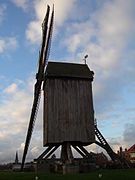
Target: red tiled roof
[132,148]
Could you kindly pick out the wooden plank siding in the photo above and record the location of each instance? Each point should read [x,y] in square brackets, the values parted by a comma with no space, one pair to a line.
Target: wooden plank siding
[68,111]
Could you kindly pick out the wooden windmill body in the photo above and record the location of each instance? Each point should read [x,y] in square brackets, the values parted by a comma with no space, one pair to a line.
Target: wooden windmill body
[68,104]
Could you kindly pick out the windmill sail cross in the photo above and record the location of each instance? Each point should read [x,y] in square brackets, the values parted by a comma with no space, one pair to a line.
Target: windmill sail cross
[43,58]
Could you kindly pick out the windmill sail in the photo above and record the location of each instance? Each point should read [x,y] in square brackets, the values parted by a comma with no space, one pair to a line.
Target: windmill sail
[43,58]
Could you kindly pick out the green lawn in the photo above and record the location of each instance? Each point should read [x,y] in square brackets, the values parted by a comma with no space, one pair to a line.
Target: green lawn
[106,175]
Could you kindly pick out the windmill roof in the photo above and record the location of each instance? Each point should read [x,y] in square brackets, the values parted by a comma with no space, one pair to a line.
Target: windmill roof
[60,69]
[132,149]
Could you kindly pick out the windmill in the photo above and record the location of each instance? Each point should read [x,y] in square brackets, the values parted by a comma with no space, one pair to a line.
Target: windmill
[68,105]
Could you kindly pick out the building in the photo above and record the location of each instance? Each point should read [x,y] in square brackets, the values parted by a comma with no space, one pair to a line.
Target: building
[131,152]
[16,165]
[128,154]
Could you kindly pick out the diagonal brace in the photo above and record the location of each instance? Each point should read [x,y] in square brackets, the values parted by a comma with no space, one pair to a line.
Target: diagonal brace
[45,152]
[79,151]
[51,151]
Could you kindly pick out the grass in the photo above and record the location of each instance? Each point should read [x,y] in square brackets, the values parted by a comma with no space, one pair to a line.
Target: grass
[106,175]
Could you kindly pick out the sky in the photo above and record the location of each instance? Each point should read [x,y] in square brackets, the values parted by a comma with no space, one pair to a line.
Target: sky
[102,29]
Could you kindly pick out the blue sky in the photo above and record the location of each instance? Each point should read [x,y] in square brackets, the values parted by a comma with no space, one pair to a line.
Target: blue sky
[102,29]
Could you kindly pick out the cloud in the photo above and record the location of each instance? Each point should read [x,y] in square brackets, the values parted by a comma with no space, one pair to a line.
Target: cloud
[124,141]
[62,11]
[15,109]
[116,143]
[104,36]
[116,21]
[129,133]
[7,44]
[2,12]
[11,89]
[14,113]
[21,3]
[79,35]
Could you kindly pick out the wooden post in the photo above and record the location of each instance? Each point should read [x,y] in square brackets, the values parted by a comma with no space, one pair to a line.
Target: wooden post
[66,153]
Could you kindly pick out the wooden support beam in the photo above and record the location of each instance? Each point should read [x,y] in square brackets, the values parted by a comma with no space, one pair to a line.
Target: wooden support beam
[85,151]
[66,153]
[51,151]
[45,152]
[79,151]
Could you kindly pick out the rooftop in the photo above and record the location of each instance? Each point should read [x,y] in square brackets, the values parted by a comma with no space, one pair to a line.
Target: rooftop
[132,149]
[60,69]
